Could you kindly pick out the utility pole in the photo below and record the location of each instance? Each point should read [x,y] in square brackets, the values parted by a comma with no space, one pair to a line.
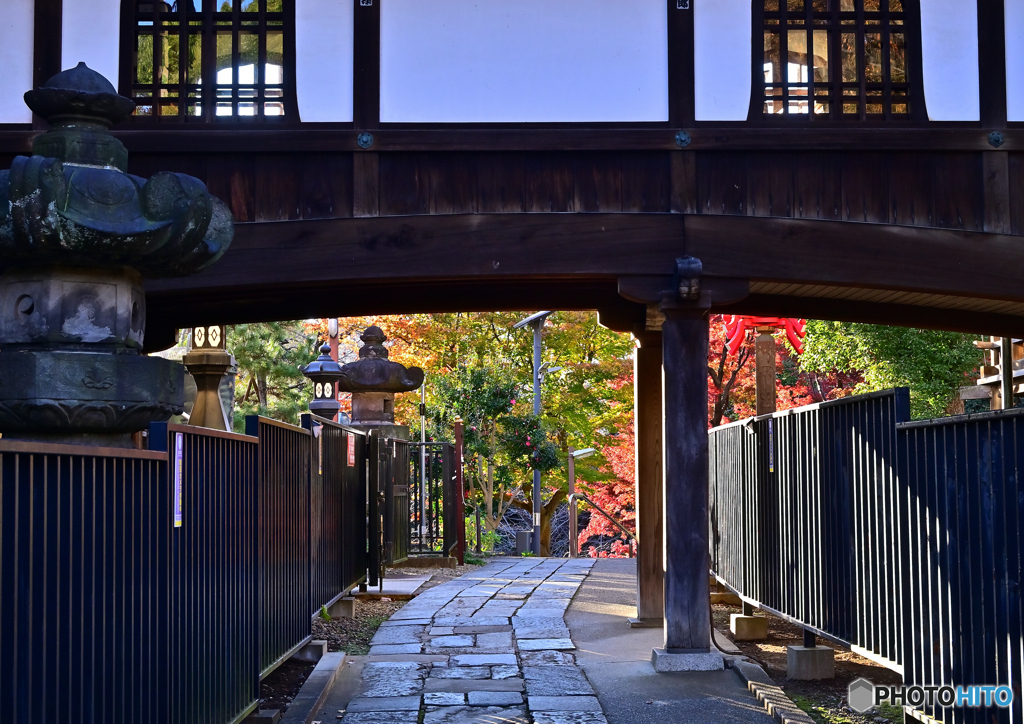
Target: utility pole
[537,322]
[423,461]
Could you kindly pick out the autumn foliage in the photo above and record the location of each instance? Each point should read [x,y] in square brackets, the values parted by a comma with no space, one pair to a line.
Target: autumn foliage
[731,396]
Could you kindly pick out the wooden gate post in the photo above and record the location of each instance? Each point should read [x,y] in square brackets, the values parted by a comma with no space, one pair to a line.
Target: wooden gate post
[687,594]
[650,572]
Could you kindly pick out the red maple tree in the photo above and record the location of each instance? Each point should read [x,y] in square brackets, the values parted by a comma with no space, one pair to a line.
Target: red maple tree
[731,396]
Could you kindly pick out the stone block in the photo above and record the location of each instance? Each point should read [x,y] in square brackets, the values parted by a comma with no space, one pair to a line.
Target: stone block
[569,717]
[452,642]
[395,649]
[460,672]
[485,659]
[264,716]
[545,645]
[495,698]
[313,651]
[748,628]
[495,641]
[392,678]
[547,658]
[475,715]
[701,661]
[556,681]
[468,685]
[725,597]
[806,664]
[444,698]
[343,608]
[397,636]
[542,632]
[381,717]
[499,673]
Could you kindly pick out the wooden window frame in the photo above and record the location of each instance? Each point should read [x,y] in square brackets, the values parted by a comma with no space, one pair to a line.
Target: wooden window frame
[209,96]
[834,17]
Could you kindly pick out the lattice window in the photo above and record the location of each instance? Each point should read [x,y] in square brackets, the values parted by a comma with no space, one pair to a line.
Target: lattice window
[211,60]
[843,59]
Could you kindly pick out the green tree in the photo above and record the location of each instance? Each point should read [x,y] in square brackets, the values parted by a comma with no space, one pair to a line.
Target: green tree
[933,364]
[270,359]
[587,401]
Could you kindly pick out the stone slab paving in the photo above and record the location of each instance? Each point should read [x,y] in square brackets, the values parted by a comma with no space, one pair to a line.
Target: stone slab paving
[490,646]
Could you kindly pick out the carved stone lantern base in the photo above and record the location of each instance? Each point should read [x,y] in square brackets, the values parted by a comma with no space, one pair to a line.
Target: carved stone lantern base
[85,397]
[70,362]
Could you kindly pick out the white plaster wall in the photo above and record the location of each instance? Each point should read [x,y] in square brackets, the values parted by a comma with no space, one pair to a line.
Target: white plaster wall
[722,59]
[1014,18]
[91,34]
[526,60]
[15,59]
[949,47]
[323,59]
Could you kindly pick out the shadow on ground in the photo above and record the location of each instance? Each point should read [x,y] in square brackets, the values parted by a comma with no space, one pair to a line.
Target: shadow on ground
[617,660]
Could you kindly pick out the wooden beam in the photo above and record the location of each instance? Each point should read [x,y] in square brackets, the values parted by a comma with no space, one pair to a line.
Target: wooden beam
[996,179]
[602,137]
[296,269]
[883,256]
[897,315]
[366,184]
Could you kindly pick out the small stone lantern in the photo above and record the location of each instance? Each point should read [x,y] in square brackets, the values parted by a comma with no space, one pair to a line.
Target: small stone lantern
[374,380]
[208,361]
[324,373]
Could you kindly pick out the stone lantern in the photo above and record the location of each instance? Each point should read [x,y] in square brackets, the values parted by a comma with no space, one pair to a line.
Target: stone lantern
[209,362]
[373,380]
[324,373]
[77,236]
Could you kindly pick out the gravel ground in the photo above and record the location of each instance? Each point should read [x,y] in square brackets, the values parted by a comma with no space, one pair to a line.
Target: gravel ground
[824,701]
[352,635]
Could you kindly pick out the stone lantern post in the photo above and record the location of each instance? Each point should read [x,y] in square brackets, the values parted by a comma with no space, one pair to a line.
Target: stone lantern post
[208,361]
[324,373]
[77,236]
[373,380]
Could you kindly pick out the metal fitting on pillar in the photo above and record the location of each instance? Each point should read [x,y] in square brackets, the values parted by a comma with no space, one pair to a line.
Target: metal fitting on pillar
[689,271]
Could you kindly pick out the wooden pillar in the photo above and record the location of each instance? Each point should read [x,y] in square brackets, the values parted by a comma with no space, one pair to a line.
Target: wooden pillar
[685,436]
[650,571]
[764,353]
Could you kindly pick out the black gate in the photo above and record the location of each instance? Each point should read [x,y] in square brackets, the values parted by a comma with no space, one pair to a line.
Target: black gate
[432,526]
[388,505]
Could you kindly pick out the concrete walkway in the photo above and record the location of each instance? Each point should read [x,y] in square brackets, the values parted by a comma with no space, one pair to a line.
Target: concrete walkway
[494,647]
[617,661]
[488,647]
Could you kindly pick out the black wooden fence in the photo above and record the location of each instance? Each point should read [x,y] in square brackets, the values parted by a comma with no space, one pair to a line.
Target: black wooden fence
[159,585]
[898,539]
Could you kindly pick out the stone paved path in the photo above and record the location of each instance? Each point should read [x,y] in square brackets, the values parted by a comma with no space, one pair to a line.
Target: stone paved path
[490,647]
